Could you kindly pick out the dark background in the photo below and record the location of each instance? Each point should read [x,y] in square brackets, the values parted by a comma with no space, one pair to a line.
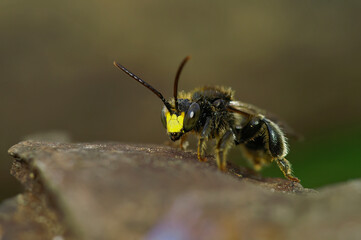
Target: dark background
[300,60]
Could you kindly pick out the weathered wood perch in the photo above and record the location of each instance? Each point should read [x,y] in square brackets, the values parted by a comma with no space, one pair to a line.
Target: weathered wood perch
[121,191]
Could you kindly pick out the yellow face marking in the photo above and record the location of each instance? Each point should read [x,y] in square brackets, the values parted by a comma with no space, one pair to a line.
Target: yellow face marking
[174,122]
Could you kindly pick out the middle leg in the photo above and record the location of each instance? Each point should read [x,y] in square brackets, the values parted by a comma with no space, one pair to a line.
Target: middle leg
[222,148]
[202,141]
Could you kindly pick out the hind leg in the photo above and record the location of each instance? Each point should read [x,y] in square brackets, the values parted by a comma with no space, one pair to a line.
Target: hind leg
[278,149]
[258,163]
[266,140]
[285,167]
[255,158]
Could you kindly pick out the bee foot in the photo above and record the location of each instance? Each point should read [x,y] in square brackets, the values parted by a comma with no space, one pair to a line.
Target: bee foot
[294,179]
[203,159]
[184,145]
[223,167]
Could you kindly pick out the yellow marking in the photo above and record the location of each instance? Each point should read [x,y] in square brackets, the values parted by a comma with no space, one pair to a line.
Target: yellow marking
[174,122]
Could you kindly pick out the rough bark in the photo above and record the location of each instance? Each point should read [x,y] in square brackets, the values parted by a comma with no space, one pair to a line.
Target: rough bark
[122,191]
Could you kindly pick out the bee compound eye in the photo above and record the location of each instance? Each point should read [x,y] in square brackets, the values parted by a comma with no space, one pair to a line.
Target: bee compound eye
[192,116]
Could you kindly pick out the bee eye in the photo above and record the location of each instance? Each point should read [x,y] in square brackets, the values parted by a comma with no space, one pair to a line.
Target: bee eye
[191,117]
[191,114]
[163,118]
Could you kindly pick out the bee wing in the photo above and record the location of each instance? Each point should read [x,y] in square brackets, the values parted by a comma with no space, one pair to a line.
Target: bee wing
[245,108]
[287,129]
[251,110]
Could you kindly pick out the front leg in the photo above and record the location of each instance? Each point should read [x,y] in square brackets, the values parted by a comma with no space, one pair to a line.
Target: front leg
[183,142]
[202,141]
[222,148]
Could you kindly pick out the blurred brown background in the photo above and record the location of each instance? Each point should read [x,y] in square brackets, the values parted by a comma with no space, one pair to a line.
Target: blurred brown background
[300,60]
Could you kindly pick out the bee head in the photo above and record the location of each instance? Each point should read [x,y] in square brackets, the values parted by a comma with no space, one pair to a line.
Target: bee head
[177,119]
[178,123]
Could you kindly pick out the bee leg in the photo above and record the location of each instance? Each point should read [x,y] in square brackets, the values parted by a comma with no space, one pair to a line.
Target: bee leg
[183,143]
[257,164]
[222,148]
[278,149]
[201,150]
[285,167]
[202,141]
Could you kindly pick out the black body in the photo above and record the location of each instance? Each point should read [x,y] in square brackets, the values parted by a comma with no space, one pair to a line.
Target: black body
[213,102]
[212,113]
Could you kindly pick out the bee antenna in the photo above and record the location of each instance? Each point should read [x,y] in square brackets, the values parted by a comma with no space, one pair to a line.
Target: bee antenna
[166,103]
[175,89]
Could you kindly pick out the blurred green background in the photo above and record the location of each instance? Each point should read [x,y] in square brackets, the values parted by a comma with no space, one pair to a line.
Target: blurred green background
[298,59]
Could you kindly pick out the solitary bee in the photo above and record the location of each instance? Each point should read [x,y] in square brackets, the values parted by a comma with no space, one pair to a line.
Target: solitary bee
[212,113]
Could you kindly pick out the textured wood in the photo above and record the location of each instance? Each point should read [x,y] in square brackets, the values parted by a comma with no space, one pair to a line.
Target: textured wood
[122,191]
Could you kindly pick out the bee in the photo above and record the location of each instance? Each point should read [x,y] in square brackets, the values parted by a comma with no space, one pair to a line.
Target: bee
[212,113]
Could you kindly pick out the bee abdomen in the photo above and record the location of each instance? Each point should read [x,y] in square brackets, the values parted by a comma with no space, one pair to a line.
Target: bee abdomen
[262,134]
